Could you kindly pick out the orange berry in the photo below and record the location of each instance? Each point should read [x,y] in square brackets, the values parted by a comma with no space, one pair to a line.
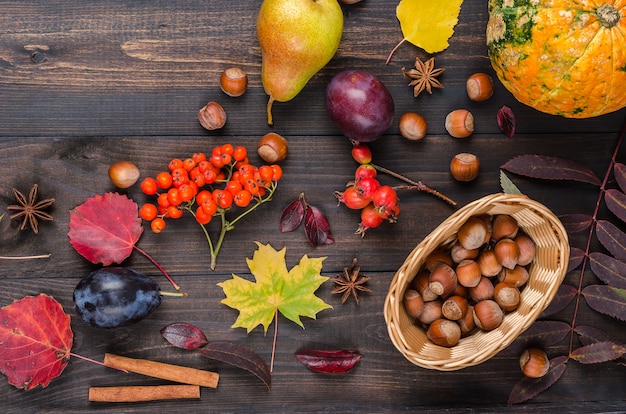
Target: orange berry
[174,212]
[149,186]
[202,196]
[242,198]
[175,164]
[266,172]
[162,200]
[157,225]
[148,212]
[173,196]
[202,217]
[164,180]
[278,172]
[240,153]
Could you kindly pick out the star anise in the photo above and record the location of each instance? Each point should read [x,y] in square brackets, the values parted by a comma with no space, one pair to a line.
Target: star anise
[424,76]
[350,282]
[30,208]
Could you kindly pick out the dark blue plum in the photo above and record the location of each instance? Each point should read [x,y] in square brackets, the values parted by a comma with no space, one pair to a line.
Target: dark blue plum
[112,297]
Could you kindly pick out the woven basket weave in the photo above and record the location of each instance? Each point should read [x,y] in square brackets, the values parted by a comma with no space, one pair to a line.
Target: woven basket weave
[546,274]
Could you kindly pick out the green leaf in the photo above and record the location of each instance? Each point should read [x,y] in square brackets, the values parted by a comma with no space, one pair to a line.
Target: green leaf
[507,185]
[292,293]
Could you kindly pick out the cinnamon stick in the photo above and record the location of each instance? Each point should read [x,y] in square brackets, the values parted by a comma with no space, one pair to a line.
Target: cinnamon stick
[175,373]
[143,393]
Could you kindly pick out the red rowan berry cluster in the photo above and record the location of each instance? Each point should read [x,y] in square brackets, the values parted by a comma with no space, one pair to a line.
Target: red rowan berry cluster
[377,202]
[207,187]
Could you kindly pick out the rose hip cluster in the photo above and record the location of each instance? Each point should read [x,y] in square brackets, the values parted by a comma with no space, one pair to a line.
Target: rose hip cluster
[207,186]
[378,203]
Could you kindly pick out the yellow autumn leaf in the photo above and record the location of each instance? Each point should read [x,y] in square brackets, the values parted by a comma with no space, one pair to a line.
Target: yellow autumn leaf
[428,23]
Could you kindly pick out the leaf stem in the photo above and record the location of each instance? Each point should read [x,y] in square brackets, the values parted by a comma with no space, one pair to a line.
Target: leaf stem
[96,362]
[39,256]
[158,266]
[393,51]
[274,341]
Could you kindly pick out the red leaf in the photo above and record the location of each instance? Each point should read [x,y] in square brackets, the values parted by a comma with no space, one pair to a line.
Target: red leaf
[564,296]
[598,352]
[184,335]
[619,170]
[104,229]
[239,356]
[576,257]
[590,334]
[528,388]
[612,238]
[575,223]
[35,341]
[607,300]
[611,271]
[316,227]
[334,362]
[292,216]
[551,168]
[506,121]
[541,334]
[616,202]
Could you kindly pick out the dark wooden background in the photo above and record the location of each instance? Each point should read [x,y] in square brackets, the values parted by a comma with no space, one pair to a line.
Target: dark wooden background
[86,84]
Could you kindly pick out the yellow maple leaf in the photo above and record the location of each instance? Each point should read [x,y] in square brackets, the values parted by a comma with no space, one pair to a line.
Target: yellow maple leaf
[427,23]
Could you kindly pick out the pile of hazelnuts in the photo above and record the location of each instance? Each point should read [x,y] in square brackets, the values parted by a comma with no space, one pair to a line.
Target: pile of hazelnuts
[473,283]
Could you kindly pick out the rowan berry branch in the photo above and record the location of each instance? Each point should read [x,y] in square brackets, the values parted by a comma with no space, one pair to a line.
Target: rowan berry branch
[415,185]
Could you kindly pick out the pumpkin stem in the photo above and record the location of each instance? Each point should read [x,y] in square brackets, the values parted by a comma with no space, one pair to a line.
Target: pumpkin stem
[608,15]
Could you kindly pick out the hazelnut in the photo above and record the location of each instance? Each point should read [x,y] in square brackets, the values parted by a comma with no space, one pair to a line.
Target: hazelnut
[468,273]
[412,126]
[473,233]
[526,249]
[460,253]
[507,296]
[438,256]
[534,362]
[413,303]
[123,174]
[272,148]
[466,323]
[518,276]
[442,280]
[454,308]
[479,87]
[504,226]
[482,291]
[431,312]
[212,116]
[489,264]
[464,166]
[444,332]
[234,81]
[460,123]
[420,283]
[488,315]
[507,252]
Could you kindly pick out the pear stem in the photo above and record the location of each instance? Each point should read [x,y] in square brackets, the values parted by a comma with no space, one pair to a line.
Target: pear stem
[270,121]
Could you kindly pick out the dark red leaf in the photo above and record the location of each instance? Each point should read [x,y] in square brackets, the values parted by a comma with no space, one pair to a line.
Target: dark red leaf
[576,257]
[184,335]
[609,270]
[598,352]
[564,296]
[541,334]
[240,357]
[528,388]
[292,216]
[333,362]
[590,334]
[35,341]
[551,168]
[619,170]
[612,238]
[316,227]
[575,223]
[105,228]
[616,202]
[607,300]
[506,121]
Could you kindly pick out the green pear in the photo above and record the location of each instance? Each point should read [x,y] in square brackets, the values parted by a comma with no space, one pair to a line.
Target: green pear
[298,38]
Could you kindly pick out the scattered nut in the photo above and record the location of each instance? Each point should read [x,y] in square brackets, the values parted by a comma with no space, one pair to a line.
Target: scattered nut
[464,166]
[123,174]
[460,123]
[212,116]
[234,81]
[272,148]
[479,87]
[534,363]
[412,126]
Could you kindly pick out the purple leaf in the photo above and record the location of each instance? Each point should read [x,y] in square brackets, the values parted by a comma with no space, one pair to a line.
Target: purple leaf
[528,388]
[316,227]
[292,216]
[564,296]
[506,121]
[609,270]
[551,168]
[575,223]
[576,257]
[240,357]
[619,170]
[598,352]
[616,202]
[590,334]
[333,362]
[184,335]
[612,238]
[541,334]
[607,300]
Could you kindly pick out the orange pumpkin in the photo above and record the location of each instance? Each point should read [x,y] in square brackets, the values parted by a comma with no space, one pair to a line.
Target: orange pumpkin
[561,57]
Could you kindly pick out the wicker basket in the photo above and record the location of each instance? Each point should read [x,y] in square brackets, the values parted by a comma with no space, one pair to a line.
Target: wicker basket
[546,274]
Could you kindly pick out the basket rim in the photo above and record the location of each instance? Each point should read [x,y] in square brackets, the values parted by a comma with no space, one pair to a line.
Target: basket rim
[480,346]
